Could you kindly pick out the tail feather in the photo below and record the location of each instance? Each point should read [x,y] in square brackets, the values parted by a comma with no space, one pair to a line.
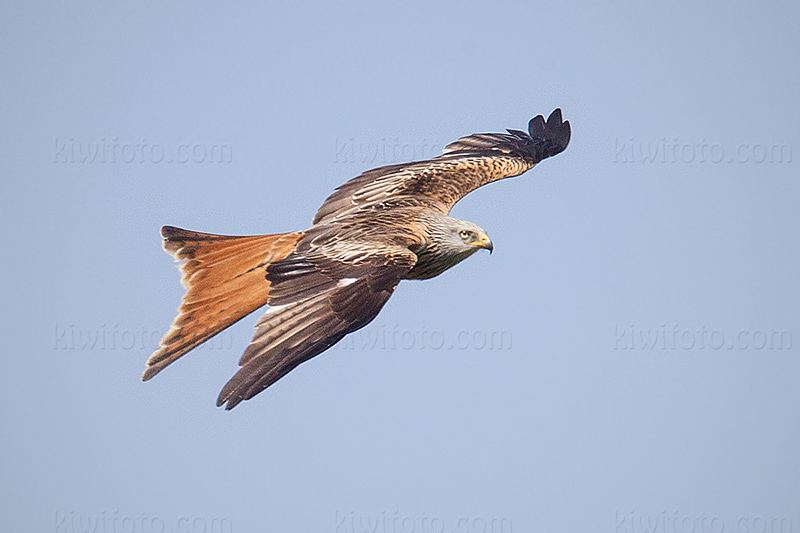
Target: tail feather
[225,280]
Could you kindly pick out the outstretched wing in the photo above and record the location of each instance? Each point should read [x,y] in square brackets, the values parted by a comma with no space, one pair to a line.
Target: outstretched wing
[316,298]
[465,165]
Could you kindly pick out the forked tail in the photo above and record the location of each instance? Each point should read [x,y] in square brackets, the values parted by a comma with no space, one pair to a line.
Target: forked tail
[225,280]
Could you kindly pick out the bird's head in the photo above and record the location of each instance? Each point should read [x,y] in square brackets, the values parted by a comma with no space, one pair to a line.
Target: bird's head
[458,238]
[473,237]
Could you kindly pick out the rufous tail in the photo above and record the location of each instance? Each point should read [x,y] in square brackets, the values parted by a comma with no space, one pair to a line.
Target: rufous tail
[225,280]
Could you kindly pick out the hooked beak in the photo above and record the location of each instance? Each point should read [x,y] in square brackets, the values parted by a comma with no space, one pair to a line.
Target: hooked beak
[486,243]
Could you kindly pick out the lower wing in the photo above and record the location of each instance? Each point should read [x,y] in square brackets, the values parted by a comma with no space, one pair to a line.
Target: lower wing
[314,302]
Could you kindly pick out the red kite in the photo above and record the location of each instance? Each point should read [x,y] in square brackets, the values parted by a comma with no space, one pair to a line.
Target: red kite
[384,226]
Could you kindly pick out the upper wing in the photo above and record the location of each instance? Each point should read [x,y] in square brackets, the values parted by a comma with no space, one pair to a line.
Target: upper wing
[316,298]
[464,166]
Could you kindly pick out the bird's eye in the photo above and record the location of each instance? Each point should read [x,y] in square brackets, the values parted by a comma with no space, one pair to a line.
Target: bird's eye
[464,234]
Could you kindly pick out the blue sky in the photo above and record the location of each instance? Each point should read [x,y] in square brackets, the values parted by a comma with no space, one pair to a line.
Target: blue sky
[645,279]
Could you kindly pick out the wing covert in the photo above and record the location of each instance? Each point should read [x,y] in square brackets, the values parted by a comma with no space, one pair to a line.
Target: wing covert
[465,165]
[316,299]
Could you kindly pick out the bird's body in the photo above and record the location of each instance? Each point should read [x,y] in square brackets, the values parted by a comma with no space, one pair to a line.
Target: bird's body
[386,225]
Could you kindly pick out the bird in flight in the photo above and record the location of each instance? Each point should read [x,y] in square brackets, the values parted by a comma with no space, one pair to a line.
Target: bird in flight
[384,226]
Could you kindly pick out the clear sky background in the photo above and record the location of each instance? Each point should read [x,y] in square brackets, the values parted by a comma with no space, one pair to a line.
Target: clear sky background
[644,282]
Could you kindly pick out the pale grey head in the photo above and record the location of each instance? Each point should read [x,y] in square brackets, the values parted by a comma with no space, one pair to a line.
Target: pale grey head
[449,242]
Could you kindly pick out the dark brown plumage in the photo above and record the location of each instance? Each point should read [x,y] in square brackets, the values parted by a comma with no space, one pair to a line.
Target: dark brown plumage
[386,225]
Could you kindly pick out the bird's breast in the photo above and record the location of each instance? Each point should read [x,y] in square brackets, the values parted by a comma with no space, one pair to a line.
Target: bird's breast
[431,263]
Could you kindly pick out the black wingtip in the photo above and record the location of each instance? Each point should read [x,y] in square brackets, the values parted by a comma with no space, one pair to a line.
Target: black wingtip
[229,403]
[227,398]
[552,136]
